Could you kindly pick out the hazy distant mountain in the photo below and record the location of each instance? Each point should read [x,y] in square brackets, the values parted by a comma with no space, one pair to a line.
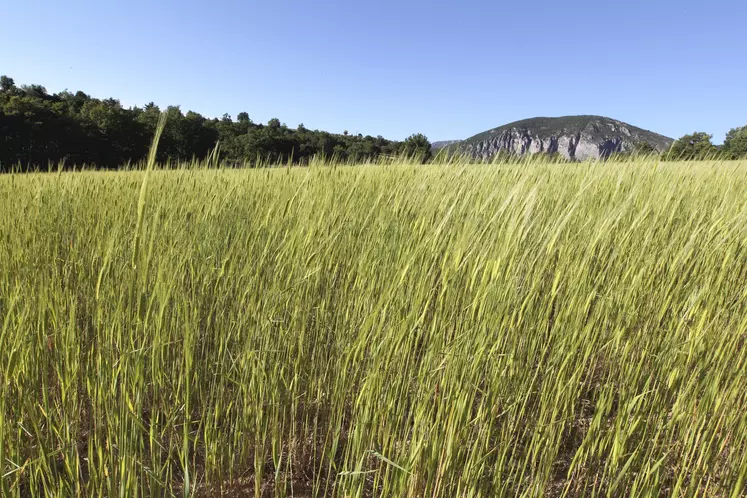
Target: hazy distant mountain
[443,143]
[574,137]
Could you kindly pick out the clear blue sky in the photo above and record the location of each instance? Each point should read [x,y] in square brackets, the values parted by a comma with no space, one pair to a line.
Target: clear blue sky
[392,68]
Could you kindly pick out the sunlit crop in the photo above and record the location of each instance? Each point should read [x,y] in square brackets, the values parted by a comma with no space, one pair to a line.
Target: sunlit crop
[381,330]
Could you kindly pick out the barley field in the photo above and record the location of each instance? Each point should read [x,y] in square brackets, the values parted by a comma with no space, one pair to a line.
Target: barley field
[455,330]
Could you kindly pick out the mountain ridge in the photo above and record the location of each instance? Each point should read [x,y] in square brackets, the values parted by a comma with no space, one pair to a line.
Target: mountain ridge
[577,138]
[440,144]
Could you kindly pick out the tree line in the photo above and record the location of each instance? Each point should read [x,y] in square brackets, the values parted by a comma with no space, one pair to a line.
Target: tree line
[38,128]
[698,145]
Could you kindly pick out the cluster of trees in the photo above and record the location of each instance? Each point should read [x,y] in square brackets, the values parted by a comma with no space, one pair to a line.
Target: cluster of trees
[698,145]
[38,128]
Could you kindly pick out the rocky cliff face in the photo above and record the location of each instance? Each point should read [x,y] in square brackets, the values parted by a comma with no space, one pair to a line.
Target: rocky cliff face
[577,138]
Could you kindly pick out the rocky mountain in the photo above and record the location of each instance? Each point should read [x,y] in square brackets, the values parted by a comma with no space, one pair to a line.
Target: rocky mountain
[577,138]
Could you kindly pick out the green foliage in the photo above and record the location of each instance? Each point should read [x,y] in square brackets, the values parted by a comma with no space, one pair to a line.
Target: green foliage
[641,150]
[38,129]
[417,146]
[735,144]
[644,149]
[400,331]
[7,84]
[243,118]
[692,147]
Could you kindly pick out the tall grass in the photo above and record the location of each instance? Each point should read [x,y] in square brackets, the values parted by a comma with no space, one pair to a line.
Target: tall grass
[399,330]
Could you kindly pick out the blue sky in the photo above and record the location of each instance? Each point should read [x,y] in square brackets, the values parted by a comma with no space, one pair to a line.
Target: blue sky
[392,68]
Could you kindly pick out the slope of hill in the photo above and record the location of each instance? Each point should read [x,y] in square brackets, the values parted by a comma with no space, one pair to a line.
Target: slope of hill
[443,143]
[574,137]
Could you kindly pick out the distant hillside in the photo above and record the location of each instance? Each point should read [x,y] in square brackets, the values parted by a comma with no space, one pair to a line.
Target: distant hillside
[443,143]
[574,137]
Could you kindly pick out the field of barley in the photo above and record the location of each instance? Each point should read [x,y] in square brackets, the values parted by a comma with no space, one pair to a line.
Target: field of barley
[457,330]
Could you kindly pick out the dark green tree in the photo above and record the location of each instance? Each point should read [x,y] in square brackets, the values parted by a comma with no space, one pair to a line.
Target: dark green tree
[644,149]
[7,84]
[417,146]
[735,143]
[692,147]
